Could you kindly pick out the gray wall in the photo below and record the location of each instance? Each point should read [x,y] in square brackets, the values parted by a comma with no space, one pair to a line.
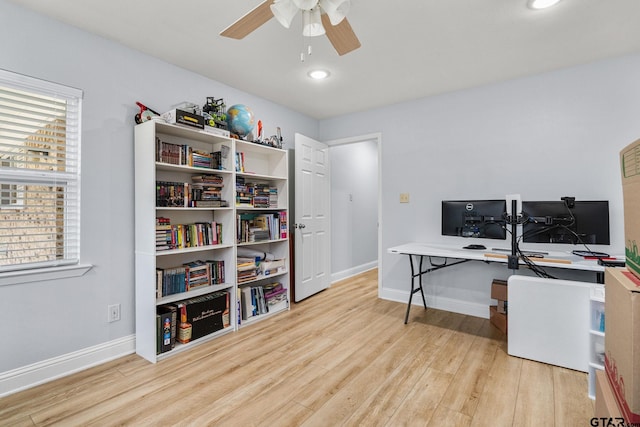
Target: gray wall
[354,207]
[52,318]
[543,137]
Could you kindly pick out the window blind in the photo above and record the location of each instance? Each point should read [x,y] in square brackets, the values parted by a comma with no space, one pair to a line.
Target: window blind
[39,173]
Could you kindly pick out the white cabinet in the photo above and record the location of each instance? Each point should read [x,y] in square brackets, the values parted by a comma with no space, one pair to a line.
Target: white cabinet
[559,322]
[548,321]
[170,162]
[596,336]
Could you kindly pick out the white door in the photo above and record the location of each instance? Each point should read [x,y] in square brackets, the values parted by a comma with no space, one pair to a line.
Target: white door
[312,217]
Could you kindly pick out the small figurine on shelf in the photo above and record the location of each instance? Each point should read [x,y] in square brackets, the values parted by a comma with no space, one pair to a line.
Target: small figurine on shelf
[261,138]
[259,131]
[185,328]
[275,140]
[145,113]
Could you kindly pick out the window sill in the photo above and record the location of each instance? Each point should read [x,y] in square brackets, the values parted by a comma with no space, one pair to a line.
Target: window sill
[37,275]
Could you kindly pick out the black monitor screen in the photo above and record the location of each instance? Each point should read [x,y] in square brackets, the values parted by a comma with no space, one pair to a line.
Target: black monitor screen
[578,222]
[474,218]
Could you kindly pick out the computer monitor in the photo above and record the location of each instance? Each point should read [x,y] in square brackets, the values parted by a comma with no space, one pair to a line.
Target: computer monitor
[474,218]
[566,221]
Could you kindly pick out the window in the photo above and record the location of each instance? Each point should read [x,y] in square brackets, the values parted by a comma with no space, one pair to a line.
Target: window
[9,198]
[39,173]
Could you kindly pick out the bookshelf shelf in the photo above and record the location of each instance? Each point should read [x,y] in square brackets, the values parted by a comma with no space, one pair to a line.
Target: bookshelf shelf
[262,277]
[179,348]
[194,293]
[261,242]
[180,244]
[262,317]
[596,336]
[169,208]
[251,175]
[192,250]
[162,166]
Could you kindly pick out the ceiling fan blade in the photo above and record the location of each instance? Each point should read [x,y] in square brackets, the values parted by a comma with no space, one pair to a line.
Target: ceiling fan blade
[249,22]
[341,36]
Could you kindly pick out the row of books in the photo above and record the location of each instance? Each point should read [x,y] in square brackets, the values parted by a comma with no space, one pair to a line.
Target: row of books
[264,196]
[180,236]
[240,162]
[205,191]
[185,155]
[208,178]
[259,227]
[261,299]
[189,276]
[255,195]
[172,194]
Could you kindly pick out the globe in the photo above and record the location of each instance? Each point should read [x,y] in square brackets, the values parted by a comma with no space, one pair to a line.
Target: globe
[240,120]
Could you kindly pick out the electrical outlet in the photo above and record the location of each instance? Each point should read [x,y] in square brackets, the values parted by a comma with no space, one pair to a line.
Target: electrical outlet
[113,313]
[404,197]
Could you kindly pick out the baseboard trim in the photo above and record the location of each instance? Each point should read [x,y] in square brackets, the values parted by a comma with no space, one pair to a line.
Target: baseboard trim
[344,274]
[57,367]
[440,303]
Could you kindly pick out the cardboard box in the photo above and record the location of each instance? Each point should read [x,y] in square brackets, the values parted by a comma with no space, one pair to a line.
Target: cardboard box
[502,307]
[622,340]
[630,169]
[498,320]
[181,117]
[499,290]
[606,406]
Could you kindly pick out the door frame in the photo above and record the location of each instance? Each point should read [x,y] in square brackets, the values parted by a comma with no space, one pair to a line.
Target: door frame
[377,137]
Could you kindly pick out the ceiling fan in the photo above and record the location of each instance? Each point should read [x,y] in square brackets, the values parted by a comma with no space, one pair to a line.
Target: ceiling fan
[319,17]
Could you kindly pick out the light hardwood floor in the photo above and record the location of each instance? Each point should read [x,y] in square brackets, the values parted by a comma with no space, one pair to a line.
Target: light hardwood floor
[342,357]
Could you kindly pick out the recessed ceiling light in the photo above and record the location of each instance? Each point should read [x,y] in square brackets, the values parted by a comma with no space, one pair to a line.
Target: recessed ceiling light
[318,74]
[541,4]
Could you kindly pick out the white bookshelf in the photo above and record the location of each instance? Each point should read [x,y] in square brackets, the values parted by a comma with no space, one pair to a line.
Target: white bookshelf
[262,163]
[596,336]
[268,166]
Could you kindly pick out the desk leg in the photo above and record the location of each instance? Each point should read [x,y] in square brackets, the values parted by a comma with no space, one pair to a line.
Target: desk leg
[413,288]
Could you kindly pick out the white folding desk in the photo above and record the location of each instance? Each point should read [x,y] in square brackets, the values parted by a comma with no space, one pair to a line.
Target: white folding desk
[442,256]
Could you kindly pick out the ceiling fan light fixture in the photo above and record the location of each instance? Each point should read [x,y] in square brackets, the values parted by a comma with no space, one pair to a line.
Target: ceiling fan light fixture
[284,11]
[305,4]
[318,74]
[336,10]
[312,23]
[541,4]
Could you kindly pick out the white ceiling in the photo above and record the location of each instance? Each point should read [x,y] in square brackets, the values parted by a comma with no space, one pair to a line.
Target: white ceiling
[410,49]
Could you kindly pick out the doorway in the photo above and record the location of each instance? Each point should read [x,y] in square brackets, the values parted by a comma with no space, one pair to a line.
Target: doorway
[361,160]
[355,205]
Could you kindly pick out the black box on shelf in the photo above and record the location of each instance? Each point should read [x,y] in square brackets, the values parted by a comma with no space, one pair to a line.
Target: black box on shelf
[207,313]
